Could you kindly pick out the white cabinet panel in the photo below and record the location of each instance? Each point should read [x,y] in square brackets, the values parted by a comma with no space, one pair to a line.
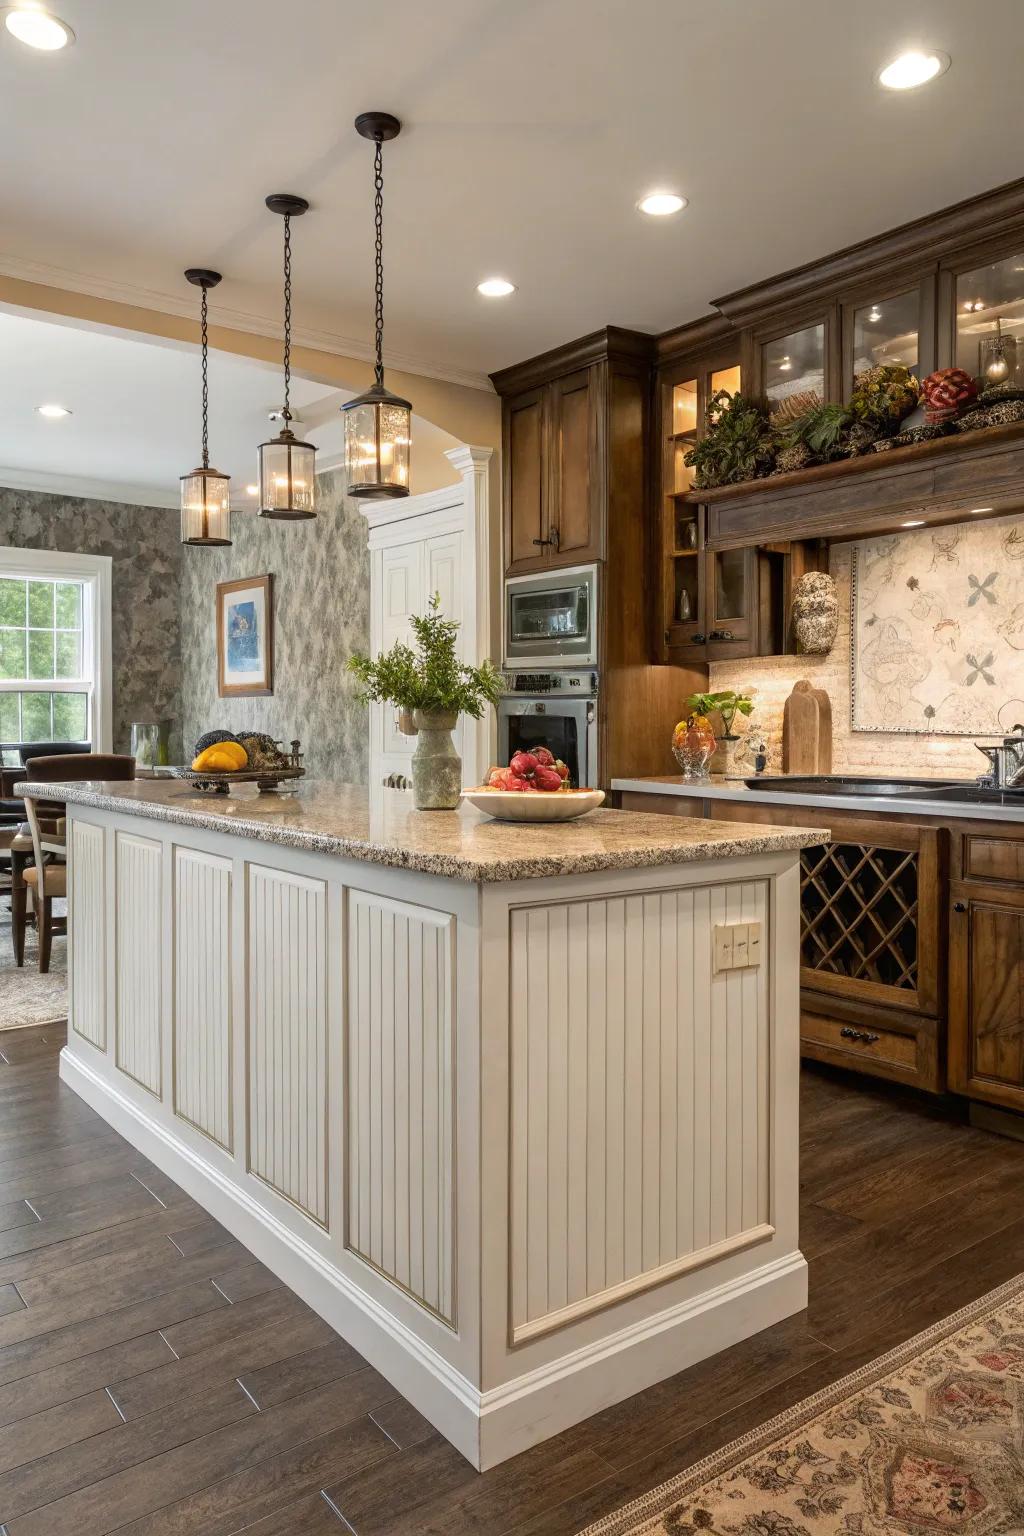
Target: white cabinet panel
[138,871]
[639,1135]
[87,904]
[401,596]
[401,1095]
[202,1031]
[287,1032]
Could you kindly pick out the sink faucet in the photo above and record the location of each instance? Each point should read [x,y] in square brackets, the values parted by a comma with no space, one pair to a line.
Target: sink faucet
[1007,760]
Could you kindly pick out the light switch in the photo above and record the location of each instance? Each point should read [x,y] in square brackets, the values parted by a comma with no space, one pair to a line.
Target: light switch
[737,946]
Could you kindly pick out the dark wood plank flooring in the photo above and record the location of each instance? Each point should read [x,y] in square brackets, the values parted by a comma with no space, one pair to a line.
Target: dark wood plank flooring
[155,1380]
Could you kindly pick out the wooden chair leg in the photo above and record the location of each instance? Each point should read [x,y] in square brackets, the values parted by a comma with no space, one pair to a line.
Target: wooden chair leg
[44,922]
[19,916]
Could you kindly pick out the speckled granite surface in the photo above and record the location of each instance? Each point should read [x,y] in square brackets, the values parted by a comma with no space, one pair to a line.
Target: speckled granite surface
[382,828]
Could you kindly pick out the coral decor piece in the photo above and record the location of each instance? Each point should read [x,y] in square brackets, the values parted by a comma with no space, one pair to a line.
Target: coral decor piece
[924,1440]
[947,391]
[815,613]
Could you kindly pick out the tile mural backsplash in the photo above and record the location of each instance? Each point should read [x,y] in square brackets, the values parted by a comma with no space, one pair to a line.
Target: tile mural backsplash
[321,576]
[145,634]
[770,679]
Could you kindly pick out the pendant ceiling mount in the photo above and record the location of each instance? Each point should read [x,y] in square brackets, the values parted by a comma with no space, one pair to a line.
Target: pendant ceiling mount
[205,492]
[377,423]
[287,465]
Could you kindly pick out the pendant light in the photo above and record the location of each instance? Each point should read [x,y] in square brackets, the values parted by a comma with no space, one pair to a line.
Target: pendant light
[378,424]
[205,504]
[287,466]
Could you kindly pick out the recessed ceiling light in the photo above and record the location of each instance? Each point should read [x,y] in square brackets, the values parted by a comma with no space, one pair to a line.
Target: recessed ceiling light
[658,204]
[915,522]
[252,490]
[53,412]
[495,287]
[913,69]
[32,25]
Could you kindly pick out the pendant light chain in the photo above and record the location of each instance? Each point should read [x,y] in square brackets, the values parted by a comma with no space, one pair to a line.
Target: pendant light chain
[286,413]
[378,225]
[206,388]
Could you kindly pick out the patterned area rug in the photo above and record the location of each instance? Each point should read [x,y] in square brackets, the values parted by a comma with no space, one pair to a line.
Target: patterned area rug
[928,1439]
[25,996]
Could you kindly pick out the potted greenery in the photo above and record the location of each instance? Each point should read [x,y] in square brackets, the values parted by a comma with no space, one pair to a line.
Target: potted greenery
[432,688]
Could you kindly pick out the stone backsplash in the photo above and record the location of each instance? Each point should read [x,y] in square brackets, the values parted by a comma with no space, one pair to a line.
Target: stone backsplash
[769,679]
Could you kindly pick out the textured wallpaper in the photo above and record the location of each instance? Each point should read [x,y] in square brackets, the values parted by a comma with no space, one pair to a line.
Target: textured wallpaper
[146,554]
[321,573]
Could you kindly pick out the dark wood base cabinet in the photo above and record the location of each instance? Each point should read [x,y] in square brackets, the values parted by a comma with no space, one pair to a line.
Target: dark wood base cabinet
[912,945]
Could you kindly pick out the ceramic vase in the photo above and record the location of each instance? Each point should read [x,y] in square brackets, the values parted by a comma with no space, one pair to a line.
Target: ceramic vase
[693,746]
[815,613]
[436,766]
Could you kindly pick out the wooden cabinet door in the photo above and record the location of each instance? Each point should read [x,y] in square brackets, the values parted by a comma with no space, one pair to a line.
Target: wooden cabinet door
[986,994]
[730,603]
[574,509]
[525,473]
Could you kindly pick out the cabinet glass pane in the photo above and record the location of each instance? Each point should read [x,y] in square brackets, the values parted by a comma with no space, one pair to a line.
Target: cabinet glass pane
[990,322]
[685,593]
[685,526]
[682,474]
[729,593]
[886,332]
[726,378]
[794,371]
[684,406]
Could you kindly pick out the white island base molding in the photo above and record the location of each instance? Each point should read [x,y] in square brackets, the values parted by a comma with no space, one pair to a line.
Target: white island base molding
[521,1143]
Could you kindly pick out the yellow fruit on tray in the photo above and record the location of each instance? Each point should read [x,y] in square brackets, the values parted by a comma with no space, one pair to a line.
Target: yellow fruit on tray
[222,757]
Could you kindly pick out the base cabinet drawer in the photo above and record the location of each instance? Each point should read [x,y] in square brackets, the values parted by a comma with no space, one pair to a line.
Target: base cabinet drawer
[908,1056]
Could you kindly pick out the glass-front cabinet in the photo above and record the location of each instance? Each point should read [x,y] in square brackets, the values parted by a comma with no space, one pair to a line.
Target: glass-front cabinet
[990,322]
[707,598]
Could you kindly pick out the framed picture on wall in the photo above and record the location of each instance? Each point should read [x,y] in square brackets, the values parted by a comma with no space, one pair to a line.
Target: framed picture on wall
[245,636]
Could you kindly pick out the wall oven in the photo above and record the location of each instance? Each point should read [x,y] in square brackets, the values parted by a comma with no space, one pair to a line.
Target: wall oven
[557,710]
[551,619]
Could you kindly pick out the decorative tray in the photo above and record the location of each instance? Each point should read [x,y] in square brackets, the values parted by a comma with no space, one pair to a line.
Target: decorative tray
[267,780]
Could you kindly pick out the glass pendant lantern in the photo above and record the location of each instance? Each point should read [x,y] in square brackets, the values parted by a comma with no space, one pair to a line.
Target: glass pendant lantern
[378,424]
[287,465]
[205,492]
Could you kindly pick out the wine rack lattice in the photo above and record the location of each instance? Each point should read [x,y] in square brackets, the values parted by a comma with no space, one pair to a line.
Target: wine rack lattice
[859,913]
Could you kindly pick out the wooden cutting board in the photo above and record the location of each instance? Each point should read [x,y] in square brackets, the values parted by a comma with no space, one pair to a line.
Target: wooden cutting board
[807,730]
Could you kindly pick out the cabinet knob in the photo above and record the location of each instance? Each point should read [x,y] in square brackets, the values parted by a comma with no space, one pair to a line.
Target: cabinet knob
[697,639]
[720,634]
[959,906]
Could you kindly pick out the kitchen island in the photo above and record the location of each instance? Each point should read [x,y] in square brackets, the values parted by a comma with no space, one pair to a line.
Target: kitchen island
[513,1107]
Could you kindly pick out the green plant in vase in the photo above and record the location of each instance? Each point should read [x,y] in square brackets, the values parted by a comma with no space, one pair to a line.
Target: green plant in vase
[727,704]
[432,688]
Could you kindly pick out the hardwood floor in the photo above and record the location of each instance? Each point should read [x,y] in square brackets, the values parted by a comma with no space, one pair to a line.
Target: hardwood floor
[155,1380]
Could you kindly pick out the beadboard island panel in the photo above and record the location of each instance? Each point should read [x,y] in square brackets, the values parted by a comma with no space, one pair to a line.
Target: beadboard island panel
[527,1141]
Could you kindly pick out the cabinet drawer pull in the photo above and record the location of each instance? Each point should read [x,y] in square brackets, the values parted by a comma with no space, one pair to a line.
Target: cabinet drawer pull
[864,1036]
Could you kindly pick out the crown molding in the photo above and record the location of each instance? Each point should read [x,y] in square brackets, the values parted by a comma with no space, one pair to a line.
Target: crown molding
[231,319]
[83,488]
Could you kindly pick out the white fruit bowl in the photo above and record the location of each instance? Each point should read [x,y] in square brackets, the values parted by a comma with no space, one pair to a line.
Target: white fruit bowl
[535,805]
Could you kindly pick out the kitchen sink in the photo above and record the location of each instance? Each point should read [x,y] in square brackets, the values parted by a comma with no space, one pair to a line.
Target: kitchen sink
[838,784]
[976,794]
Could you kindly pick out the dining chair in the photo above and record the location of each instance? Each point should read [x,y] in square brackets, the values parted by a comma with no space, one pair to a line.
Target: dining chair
[46,879]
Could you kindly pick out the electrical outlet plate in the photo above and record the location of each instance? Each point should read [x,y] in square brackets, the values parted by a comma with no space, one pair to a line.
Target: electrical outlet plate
[736,946]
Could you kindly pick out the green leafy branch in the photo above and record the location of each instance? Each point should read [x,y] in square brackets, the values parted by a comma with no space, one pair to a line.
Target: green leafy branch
[431,677]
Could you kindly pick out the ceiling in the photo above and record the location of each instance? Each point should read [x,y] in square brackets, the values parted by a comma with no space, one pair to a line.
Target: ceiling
[531,128]
[135,425]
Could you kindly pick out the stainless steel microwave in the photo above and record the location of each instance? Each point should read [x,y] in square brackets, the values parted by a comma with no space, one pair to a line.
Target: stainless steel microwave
[551,618]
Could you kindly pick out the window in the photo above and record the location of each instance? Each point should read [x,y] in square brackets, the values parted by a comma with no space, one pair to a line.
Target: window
[54,649]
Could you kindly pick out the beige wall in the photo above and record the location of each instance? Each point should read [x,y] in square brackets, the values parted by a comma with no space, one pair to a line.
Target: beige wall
[771,678]
[466,415]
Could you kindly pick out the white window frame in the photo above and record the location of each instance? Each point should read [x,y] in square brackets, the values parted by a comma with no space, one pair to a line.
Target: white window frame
[93,571]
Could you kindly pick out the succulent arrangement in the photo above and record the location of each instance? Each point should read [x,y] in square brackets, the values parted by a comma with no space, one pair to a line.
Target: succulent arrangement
[742,442]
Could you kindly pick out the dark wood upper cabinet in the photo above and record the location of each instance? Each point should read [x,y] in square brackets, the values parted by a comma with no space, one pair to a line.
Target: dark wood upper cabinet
[525,475]
[574,514]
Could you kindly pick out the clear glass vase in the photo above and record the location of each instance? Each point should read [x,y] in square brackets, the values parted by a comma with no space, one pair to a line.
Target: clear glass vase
[693,746]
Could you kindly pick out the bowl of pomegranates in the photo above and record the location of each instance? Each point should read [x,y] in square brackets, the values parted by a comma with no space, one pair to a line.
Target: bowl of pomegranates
[534,787]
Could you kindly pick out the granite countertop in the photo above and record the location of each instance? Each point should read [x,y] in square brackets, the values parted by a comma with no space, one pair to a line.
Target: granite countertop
[718,787]
[382,828]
